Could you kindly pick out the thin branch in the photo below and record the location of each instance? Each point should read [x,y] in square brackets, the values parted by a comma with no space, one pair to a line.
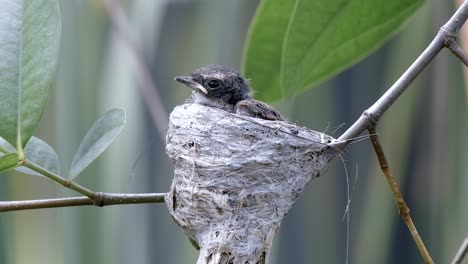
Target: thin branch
[92,198]
[57,178]
[372,115]
[403,208]
[461,253]
[453,46]
[105,199]
[147,87]
[463,38]
[54,177]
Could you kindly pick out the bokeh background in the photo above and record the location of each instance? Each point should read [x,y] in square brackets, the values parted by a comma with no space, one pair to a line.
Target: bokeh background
[423,135]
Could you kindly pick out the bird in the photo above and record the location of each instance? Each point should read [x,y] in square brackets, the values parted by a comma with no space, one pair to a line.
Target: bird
[224,88]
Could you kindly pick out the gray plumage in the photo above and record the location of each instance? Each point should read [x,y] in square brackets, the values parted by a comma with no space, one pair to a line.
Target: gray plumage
[222,87]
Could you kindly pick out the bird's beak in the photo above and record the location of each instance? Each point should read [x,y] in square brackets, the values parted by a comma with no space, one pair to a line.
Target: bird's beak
[190,82]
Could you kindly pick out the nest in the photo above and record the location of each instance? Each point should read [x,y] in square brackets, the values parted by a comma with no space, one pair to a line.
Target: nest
[235,177]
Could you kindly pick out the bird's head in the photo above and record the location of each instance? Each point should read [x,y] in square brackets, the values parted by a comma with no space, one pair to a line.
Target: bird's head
[216,85]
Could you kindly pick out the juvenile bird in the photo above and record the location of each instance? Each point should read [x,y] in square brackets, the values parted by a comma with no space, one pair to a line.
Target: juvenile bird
[222,87]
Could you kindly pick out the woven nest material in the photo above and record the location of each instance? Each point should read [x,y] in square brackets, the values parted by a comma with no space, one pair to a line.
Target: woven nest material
[235,177]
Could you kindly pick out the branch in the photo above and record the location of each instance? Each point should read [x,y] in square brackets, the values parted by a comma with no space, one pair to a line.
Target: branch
[92,198]
[403,208]
[105,199]
[461,253]
[57,178]
[371,116]
[453,46]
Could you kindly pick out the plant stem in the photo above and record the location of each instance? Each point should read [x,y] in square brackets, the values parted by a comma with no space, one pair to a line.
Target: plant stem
[106,200]
[67,183]
[371,116]
[453,46]
[403,208]
[462,252]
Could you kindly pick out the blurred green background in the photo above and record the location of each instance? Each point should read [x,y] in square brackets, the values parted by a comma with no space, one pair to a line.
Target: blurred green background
[423,135]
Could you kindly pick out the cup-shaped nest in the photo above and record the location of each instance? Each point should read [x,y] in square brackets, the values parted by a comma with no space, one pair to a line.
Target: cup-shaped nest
[235,177]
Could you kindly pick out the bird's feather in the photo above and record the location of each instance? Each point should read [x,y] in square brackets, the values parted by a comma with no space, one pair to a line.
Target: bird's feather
[254,108]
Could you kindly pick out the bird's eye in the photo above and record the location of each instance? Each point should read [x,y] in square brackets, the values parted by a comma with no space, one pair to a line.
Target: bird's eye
[214,83]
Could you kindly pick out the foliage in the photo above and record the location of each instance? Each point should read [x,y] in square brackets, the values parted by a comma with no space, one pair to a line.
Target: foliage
[29,41]
[295,44]
[98,138]
[30,44]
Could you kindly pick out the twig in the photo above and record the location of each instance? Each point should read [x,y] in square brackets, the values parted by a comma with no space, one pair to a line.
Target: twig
[453,46]
[403,208]
[106,199]
[147,87]
[92,198]
[57,178]
[372,115]
[461,253]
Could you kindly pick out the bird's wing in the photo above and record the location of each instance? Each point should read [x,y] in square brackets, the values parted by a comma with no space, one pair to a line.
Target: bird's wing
[254,108]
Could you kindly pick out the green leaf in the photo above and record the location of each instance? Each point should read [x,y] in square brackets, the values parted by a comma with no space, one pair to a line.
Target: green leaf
[8,161]
[262,54]
[39,152]
[29,48]
[296,44]
[99,137]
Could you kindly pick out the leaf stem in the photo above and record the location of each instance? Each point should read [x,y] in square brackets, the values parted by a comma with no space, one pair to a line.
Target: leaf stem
[67,183]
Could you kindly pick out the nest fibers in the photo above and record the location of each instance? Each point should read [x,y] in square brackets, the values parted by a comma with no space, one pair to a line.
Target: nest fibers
[235,177]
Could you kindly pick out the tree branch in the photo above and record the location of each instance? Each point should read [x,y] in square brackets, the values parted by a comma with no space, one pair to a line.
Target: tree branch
[105,199]
[372,115]
[461,253]
[402,207]
[453,46]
